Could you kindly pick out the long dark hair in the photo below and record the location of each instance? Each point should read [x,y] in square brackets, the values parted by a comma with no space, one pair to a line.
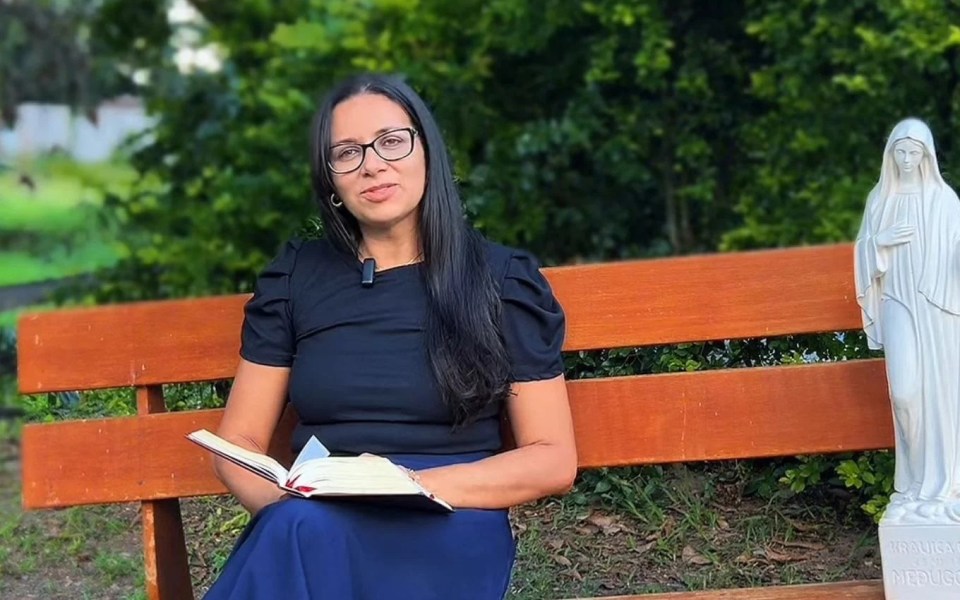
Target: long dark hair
[463,336]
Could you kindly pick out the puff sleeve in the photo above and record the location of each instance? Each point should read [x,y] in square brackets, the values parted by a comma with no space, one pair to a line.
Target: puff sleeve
[533,321]
[267,336]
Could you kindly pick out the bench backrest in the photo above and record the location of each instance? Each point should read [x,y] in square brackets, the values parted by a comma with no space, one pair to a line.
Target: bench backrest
[732,413]
[725,414]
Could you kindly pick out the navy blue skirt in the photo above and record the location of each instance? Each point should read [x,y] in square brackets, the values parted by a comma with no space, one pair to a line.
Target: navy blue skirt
[337,550]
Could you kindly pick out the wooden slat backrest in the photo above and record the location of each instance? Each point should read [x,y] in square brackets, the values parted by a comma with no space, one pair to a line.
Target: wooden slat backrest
[736,413]
[634,303]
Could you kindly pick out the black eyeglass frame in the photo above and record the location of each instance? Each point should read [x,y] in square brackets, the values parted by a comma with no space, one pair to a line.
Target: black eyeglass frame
[372,144]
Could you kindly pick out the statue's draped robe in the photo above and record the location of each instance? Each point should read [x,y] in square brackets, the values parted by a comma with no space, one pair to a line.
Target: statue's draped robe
[924,276]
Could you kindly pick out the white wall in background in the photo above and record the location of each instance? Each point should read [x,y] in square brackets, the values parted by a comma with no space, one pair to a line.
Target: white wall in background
[42,128]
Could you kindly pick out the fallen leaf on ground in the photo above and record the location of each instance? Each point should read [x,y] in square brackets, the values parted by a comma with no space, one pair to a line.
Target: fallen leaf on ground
[801,527]
[642,548]
[781,557]
[562,560]
[609,525]
[692,557]
[608,585]
[816,546]
[587,530]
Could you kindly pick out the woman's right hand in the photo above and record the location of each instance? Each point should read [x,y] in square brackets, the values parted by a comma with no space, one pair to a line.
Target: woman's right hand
[896,235]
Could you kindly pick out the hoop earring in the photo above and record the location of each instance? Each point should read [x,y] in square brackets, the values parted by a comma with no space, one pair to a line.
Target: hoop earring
[334,202]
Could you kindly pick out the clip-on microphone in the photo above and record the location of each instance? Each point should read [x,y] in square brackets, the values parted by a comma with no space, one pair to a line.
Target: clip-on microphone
[369,268]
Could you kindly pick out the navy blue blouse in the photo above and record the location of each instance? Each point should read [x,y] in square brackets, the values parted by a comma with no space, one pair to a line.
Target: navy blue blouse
[360,379]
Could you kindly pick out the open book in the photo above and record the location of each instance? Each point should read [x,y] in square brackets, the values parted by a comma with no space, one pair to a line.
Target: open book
[315,473]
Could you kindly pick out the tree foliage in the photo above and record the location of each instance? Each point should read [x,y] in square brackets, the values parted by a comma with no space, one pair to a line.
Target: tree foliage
[835,78]
[582,130]
[48,53]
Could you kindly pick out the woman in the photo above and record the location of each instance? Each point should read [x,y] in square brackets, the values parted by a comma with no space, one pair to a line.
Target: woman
[907,261]
[415,360]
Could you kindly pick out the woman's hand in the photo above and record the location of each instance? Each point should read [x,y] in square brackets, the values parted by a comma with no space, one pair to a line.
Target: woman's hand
[543,463]
[896,235]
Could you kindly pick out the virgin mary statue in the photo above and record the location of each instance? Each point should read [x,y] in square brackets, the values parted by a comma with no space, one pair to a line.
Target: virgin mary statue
[907,266]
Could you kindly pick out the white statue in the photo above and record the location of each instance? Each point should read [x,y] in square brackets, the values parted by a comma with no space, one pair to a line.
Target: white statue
[907,266]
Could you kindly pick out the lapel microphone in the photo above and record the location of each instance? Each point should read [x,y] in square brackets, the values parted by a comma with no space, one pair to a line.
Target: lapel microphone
[369,268]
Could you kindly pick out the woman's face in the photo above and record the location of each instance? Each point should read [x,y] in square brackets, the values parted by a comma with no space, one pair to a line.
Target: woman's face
[381,193]
[907,154]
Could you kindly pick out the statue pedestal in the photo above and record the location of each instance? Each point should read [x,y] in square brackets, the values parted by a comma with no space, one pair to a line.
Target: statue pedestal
[920,561]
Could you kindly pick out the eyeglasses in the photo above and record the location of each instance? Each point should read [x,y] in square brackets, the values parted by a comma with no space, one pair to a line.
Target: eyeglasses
[390,146]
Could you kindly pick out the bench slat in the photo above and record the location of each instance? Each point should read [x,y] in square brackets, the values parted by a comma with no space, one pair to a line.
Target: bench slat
[852,590]
[737,413]
[127,459]
[732,413]
[624,304]
[136,344]
[116,460]
[708,297]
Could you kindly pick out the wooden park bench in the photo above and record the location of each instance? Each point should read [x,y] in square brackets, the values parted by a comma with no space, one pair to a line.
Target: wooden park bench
[700,416]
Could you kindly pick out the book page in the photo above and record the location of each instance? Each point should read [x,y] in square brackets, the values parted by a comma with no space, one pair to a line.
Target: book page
[369,477]
[255,462]
[366,474]
[312,449]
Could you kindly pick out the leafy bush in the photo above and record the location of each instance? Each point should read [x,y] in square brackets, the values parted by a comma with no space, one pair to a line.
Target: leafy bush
[8,351]
[871,474]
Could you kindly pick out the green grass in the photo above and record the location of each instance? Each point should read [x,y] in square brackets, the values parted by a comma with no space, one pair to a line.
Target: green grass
[62,187]
[89,542]
[117,565]
[53,231]
[53,209]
